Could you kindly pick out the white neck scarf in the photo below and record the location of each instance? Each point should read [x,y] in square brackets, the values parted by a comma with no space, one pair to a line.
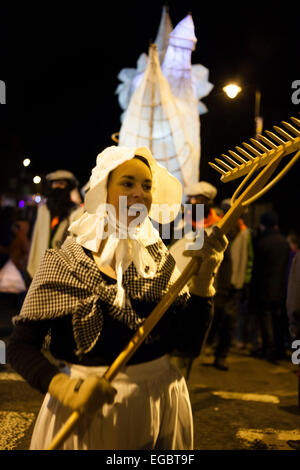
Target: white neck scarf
[125,245]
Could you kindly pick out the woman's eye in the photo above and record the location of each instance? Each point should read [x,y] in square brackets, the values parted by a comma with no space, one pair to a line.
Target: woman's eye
[147,187]
[127,184]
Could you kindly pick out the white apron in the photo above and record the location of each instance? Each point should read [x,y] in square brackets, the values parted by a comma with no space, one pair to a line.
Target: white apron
[151,410]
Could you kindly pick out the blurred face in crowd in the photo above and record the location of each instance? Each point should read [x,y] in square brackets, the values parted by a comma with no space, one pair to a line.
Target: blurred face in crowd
[132,179]
[200,199]
[58,197]
[61,184]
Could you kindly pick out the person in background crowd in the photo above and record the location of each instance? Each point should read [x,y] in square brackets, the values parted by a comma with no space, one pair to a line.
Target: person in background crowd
[241,251]
[198,193]
[12,272]
[268,287]
[229,282]
[293,314]
[19,246]
[53,217]
[6,232]
[201,193]
[293,241]
[293,297]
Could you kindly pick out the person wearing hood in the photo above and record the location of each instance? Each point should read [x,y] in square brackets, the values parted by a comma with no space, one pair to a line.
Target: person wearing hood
[53,217]
[197,217]
[232,275]
[93,293]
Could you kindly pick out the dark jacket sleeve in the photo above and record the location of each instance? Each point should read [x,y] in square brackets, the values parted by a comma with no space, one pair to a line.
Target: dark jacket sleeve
[25,354]
[193,325]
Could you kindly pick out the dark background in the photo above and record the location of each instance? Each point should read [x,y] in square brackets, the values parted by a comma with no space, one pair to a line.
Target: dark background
[60,66]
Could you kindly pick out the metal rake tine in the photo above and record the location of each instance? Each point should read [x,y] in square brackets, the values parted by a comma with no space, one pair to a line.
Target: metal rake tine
[291,128]
[259,145]
[283,133]
[233,162]
[275,137]
[224,164]
[246,154]
[216,167]
[295,120]
[267,141]
[252,149]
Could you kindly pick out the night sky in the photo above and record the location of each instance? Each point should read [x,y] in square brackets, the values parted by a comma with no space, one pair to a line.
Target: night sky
[60,67]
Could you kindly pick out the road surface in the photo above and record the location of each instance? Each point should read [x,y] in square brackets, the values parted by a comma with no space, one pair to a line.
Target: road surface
[253,405]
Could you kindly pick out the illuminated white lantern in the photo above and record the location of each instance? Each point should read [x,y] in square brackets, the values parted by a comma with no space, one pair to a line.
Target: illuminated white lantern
[130,79]
[153,119]
[185,79]
[187,85]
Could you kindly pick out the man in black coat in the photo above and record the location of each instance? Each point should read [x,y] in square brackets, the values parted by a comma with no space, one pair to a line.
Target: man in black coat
[271,256]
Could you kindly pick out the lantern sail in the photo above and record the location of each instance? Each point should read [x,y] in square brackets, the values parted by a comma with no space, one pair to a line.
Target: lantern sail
[153,119]
[164,31]
[130,78]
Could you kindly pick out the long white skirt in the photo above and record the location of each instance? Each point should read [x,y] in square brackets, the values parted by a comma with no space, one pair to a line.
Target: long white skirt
[152,410]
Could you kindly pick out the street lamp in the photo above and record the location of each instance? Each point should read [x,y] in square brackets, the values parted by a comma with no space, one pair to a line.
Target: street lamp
[232,90]
[37,179]
[257,114]
[26,162]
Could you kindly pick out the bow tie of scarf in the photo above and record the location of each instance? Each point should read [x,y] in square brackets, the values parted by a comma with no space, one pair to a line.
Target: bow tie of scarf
[123,246]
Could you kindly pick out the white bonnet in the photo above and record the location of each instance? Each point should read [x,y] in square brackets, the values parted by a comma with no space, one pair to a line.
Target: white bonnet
[202,188]
[166,189]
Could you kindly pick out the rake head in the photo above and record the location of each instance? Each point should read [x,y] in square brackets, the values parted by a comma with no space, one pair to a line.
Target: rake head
[260,153]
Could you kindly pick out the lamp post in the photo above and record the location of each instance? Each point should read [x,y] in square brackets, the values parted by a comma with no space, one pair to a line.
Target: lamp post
[257,114]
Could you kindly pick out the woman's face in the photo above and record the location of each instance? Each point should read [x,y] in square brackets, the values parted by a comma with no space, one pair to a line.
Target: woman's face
[132,179]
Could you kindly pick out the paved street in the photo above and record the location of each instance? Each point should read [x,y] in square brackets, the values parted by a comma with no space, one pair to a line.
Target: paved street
[254,405]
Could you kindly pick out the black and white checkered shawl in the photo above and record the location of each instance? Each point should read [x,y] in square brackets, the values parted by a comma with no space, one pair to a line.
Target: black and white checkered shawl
[68,281]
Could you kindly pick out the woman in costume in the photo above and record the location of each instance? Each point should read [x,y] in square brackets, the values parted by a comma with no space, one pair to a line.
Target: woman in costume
[93,293]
